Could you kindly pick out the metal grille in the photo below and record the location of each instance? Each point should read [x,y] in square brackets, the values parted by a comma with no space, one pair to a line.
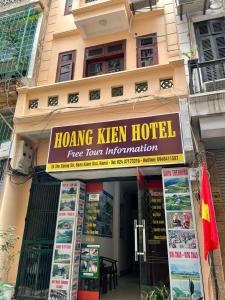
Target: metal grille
[33,104]
[38,241]
[94,95]
[53,101]
[166,84]
[73,98]
[16,41]
[117,91]
[220,168]
[141,87]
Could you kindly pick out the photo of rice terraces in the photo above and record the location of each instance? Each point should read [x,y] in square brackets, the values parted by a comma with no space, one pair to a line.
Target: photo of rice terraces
[176,185]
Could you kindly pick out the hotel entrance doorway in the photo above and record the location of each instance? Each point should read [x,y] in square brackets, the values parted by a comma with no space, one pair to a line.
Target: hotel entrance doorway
[142,260]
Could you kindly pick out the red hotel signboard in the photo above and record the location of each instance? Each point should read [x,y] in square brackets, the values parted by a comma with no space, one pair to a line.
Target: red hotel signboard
[154,140]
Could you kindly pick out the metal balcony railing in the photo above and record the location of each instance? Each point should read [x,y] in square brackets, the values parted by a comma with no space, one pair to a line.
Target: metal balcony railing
[206,76]
[138,5]
[17,32]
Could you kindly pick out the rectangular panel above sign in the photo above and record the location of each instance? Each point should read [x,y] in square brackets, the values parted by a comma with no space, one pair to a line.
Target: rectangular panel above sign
[145,141]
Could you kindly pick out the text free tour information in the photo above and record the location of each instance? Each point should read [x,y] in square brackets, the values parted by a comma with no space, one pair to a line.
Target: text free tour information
[115,134]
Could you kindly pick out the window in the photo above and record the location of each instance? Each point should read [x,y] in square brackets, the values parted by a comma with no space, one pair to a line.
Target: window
[210,37]
[68,7]
[65,66]
[104,59]
[147,51]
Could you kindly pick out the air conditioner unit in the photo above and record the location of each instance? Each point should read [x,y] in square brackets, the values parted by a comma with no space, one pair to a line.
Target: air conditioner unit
[24,157]
[5,149]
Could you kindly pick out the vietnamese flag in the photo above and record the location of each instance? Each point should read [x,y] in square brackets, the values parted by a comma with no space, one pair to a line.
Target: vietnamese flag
[208,215]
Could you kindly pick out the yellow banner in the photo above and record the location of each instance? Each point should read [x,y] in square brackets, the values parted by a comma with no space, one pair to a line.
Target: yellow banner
[117,162]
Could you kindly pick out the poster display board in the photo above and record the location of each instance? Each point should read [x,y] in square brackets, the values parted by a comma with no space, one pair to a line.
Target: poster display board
[89,264]
[98,214]
[153,140]
[67,245]
[183,252]
[157,214]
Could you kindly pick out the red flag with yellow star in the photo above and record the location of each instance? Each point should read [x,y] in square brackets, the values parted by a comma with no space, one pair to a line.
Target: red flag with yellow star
[208,215]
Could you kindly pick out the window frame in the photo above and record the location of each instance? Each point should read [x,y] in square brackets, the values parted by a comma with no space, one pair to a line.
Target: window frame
[104,57]
[153,46]
[68,7]
[61,64]
[212,52]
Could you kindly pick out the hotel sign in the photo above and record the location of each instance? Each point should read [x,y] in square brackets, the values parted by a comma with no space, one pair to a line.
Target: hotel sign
[154,140]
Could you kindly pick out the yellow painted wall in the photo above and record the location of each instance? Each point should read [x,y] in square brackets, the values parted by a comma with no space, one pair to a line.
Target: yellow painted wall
[62,35]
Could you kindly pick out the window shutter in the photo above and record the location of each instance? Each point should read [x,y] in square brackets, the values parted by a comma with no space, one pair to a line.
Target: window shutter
[147,51]
[66,70]
[65,66]
[210,36]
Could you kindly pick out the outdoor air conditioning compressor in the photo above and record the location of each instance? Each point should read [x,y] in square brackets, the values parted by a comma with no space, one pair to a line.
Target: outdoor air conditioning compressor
[24,157]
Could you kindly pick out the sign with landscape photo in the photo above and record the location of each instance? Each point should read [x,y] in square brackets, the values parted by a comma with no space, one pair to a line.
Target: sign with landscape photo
[65,263]
[182,244]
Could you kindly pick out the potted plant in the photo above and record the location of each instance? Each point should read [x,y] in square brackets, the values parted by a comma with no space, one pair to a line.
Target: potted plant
[8,253]
[156,293]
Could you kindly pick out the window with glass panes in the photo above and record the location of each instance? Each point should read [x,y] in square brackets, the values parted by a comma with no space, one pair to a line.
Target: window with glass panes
[65,66]
[102,59]
[147,50]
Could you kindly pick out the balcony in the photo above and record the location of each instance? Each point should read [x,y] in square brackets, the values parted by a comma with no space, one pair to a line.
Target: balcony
[100,17]
[138,6]
[205,77]
[154,84]
[191,6]
[207,87]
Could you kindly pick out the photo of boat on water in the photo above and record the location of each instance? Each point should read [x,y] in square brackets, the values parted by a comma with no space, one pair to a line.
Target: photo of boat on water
[64,236]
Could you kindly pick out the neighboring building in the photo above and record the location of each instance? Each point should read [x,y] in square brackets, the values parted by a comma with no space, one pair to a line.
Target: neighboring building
[201,27]
[116,63]
[22,27]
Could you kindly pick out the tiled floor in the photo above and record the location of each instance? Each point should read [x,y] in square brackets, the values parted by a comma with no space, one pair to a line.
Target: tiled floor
[128,289]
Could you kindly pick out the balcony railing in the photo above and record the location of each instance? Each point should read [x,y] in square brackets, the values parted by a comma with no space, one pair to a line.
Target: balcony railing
[138,5]
[16,41]
[206,76]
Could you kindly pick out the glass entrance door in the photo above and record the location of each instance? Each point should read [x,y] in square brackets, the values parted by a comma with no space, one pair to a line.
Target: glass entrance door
[150,239]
